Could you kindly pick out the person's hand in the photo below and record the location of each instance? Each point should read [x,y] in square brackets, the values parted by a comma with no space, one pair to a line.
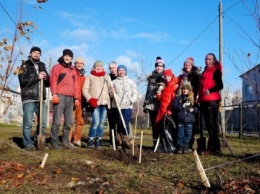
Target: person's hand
[55,99]
[76,103]
[42,75]
[191,110]
[169,112]
[93,102]
[186,104]
[207,92]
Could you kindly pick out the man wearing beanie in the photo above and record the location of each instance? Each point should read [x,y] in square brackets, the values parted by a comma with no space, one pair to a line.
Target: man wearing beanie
[30,74]
[76,135]
[65,95]
[151,103]
[125,94]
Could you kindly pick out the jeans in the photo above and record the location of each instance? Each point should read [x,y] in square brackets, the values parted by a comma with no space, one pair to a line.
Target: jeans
[97,125]
[184,134]
[64,107]
[28,115]
[127,114]
[211,117]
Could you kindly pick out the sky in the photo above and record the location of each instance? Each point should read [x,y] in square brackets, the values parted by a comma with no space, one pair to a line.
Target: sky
[135,32]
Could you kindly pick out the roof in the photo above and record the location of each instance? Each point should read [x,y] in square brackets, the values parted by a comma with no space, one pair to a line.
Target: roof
[257,67]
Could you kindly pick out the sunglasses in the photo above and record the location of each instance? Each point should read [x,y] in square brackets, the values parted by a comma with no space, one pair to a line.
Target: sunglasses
[159,65]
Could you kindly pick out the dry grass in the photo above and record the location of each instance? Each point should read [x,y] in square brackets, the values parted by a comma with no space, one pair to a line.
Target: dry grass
[107,171]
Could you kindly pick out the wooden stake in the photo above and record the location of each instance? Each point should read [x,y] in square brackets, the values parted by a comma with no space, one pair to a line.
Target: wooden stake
[113,139]
[201,170]
[44,160]
[141,145]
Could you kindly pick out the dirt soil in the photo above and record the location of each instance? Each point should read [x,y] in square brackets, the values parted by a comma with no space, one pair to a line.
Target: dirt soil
[105,170]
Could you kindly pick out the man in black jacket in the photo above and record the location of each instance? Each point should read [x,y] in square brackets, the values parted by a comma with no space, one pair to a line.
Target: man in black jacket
[30,74]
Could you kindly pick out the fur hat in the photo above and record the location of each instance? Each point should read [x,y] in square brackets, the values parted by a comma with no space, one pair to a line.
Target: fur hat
[79,60]
[168,72]
[189,60]
[186,85]
[122,67]
[36,48]
[159,60]
[98,63]
[68,52]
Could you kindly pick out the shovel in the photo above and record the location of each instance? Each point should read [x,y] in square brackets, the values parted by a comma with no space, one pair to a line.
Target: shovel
[41,139]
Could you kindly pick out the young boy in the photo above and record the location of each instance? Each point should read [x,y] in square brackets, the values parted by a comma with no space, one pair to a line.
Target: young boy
[185,111]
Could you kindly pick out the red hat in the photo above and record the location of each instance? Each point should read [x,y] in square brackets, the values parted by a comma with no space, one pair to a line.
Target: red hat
[168,72]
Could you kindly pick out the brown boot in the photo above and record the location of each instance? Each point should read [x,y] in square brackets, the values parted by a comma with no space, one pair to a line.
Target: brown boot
[119,140]
[127,142]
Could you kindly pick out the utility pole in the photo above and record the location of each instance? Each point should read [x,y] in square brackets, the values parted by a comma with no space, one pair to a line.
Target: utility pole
[221,61]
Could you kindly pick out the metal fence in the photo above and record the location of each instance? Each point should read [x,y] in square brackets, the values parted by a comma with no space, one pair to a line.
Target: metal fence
[243,119]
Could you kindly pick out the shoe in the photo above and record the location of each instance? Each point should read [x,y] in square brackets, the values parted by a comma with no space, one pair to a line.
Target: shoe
[90,143]
[179,151]
[56,147]
[77,143]
[68,146]
[30,148]
[98,143]
[186,151]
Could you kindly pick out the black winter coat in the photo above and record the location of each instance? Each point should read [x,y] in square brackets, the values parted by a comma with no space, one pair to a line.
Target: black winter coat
[182,113]
[30,82]
[150,101]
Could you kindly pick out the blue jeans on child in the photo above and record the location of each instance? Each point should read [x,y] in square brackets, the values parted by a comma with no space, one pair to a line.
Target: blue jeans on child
[29,109]
[97,125]
[184,134]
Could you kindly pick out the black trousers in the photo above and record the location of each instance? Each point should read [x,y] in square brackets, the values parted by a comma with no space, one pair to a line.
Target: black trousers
[211,118]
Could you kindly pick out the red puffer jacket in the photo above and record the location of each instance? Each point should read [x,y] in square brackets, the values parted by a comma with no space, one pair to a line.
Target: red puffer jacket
[166,98]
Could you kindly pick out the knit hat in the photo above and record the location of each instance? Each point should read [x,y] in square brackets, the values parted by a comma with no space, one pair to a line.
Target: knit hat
[122,67]
[186,85]
[189,60]
[79,60]
[168,72]
[98,63]
[159,60]
[36,48]
[68,52]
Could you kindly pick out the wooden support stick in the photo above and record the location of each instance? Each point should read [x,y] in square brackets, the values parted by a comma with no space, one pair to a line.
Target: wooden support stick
[113,139]
[141,145]
[44,160]
[201,170]
[157,143]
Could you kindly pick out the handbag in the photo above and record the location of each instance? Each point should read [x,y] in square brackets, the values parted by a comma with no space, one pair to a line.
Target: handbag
[87,106]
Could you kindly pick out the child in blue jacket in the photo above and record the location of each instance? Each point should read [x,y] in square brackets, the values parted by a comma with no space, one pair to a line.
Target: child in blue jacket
[185,115]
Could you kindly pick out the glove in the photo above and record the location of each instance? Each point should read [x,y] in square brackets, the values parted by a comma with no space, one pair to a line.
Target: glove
[76,103]
[55,99]
[93,102]
[145,110]
[186,104]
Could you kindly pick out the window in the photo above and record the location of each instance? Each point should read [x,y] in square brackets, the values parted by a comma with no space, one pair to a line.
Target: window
[249,89]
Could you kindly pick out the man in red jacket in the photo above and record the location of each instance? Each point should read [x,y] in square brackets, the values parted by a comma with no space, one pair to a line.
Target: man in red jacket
[65,95]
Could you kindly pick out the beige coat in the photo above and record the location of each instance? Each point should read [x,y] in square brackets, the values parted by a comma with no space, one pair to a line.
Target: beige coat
[92,88]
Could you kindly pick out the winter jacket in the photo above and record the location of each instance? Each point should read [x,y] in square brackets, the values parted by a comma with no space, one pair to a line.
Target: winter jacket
[150,101]
[80,80]
[30,82]
[183,113]
[166,98]
[63,81]
[96,85]
[125,92]
[211,79]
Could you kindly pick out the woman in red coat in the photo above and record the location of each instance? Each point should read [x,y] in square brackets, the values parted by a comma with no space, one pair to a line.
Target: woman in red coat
[165,95]
[209,97]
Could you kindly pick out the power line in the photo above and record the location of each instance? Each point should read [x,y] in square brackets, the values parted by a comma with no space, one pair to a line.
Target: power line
[196,38]
[7,14]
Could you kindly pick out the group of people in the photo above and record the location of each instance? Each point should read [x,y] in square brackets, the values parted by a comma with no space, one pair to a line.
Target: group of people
[112,96]
[182,97]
